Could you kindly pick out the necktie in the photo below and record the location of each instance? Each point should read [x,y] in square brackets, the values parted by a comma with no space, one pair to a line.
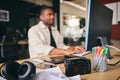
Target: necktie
[52,39]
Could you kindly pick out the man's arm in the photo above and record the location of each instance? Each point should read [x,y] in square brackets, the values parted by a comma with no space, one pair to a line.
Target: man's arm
[68,51]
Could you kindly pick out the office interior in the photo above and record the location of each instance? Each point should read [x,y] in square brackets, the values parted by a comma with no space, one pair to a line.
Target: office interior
[17,16]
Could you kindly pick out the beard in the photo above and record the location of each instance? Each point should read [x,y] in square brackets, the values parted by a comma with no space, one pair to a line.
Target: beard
[51,22]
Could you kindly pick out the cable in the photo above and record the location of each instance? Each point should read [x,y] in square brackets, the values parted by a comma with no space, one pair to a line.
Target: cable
[115,49]
[114,63]
[118,78]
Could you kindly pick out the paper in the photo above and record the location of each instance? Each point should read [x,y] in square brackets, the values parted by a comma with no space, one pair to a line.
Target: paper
[1,78]
[37,61]
[53,74]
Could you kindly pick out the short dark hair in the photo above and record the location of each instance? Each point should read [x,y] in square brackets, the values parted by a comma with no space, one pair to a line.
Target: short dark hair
[43,8]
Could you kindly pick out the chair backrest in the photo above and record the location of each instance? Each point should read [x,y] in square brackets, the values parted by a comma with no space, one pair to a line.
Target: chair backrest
[9,48]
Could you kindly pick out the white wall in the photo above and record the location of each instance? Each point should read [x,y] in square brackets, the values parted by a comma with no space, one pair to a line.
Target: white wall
[119,11]
[41,2]
[116,11]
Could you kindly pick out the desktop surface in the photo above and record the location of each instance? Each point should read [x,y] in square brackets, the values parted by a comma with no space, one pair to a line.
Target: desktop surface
[112,73]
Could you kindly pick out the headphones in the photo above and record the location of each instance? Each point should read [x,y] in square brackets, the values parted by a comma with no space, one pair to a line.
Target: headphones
[15,71]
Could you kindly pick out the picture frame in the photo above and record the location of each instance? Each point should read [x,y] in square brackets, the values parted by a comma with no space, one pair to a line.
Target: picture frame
[4,15]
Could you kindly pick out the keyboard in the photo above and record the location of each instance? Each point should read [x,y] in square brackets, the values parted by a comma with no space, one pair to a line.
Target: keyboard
[81,54]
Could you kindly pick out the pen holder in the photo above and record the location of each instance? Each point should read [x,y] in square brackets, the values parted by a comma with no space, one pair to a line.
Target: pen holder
[100,63]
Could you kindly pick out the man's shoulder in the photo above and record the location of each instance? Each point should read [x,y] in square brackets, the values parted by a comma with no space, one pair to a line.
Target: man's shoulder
[35,26]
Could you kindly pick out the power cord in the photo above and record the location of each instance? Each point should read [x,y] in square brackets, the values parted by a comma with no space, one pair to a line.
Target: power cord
[115,49]
[118,78]
[114,63]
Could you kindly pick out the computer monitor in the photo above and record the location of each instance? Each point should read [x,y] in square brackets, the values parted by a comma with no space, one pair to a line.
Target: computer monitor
[99,24]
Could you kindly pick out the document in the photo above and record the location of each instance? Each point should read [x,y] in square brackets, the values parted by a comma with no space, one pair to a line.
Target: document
[53,74]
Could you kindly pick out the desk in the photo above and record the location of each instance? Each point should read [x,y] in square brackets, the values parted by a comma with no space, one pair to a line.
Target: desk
[112,73]
[22,42]
[23,50]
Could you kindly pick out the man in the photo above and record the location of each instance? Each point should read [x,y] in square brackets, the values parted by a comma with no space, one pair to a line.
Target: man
[41,42]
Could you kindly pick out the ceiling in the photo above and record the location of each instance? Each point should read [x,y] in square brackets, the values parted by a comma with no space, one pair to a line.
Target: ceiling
[79,2]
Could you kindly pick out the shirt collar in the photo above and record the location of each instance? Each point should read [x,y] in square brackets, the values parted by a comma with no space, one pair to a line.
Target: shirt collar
[42,25]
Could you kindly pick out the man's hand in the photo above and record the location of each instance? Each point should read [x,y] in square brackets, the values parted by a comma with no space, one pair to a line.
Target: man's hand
[79,49]
[74,49]
[69,51]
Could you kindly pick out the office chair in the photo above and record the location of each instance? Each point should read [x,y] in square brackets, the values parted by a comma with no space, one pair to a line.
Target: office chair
[9,49]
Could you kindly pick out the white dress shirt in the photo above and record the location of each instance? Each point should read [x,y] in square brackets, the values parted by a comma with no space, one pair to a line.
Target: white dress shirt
[39,40]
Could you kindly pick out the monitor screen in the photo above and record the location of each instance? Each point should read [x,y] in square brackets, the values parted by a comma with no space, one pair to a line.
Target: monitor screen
[99,24]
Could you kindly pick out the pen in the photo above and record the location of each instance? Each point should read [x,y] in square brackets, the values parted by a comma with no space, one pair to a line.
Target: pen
[105,51]
[101,52]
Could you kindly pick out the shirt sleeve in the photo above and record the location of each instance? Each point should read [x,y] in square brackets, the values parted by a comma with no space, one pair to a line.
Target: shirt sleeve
[36,45]
[60,41]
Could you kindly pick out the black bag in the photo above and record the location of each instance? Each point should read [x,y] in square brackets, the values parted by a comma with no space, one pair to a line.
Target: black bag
[77,65]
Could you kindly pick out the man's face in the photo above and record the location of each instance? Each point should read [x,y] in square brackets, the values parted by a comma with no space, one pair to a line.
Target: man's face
[47,17]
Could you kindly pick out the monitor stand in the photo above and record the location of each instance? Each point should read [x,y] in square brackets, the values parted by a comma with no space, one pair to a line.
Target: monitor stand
[103,41]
